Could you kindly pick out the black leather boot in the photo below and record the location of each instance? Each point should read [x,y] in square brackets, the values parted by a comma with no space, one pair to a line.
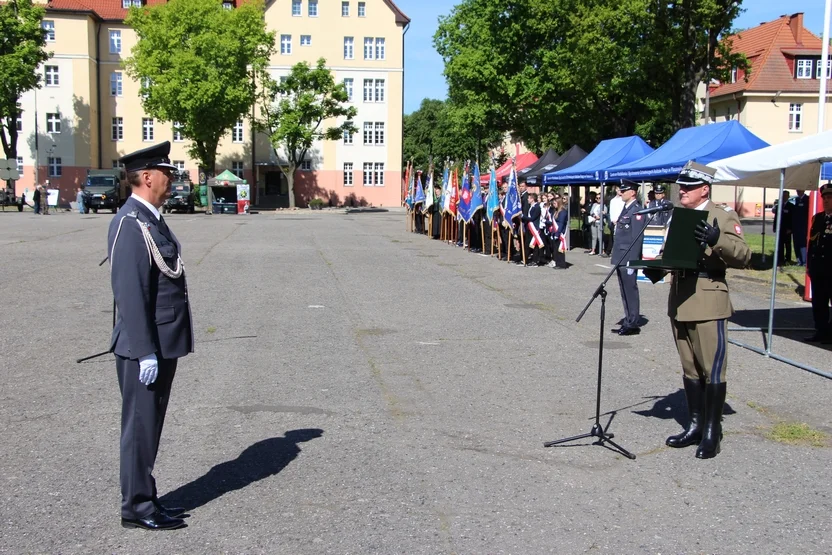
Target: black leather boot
[712,436]
[695,395]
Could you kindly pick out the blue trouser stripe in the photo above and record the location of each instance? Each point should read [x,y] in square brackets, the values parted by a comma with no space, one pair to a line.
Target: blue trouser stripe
[716,369]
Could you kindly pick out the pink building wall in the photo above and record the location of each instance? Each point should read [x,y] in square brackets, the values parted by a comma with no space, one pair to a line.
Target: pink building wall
[328,185]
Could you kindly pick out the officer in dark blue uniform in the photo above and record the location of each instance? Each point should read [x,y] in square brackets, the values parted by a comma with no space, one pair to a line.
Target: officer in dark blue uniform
[800,225]
[627,230]
[661,218]
[153,329]
[819,267]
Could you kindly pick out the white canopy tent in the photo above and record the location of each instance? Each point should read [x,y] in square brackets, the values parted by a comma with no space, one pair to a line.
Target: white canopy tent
[796,163]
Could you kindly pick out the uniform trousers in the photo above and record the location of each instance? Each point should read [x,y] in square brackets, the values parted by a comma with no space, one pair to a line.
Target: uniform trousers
[143,411]
[821,294]
[702,349]
[628,283]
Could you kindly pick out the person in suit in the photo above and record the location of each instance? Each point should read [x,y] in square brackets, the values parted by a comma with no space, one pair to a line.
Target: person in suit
[819,267]
[783,211]
[153,330]
[800,225]
[628,228]
[531,221]
[699,306]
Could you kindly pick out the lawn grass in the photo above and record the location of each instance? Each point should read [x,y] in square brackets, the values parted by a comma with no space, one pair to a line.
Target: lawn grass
[795,433]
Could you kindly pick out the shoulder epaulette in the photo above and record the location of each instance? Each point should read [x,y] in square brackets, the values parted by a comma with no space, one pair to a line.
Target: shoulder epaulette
[724,207]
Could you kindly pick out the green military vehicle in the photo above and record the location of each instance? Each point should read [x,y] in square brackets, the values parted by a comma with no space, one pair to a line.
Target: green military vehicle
[182,193]
[105,190]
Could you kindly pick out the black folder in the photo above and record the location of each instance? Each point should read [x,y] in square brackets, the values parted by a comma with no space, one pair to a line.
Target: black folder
[681,251]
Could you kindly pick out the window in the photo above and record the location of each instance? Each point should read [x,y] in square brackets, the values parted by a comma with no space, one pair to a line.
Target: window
[312,8]
[117,133]
[828,69]
[115,83]
[20,164]
[49,29]
[53,123]
[347,174]
[296,8]
[378,181]
[146,86]
[177,132]
[368,132]
[227,5]
[379,90]
[795,123]
[379,133]
[349,51]
[115,42]
[306,40]
[379,48]
[306,165]
[804,69]
[368,90]
[345,9]
[180,165]
[54,166]
[237,132]
[117,164]
[237,169]
[368,48]
[362,9]
[348,85]
[368,174]
[285,44]
[51,73]
[734,74]
[147,129]
[347,138]
[127,3]
[20,123]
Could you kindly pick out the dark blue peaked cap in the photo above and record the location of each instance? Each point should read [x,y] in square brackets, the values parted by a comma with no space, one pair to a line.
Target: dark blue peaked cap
[155,156]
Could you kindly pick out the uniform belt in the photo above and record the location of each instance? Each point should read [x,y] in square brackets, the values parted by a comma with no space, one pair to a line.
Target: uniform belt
[712,274]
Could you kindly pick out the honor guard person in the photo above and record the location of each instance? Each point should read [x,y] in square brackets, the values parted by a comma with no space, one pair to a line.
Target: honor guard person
[699,307]
[819,267]
[661,218]
[153,329]
[628,228]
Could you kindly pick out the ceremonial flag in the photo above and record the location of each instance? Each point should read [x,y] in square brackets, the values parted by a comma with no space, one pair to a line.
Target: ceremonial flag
[409,199]
[493,203]
[453,193]
[513,206]
[445,184]
[419,195]
[476,193]
[429,195]
[465,197]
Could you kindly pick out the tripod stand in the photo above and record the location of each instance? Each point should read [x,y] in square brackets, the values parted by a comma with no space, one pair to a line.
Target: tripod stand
[107,352]
[597,430]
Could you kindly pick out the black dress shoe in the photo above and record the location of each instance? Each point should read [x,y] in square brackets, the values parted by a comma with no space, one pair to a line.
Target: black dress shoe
[626,330]
[171,512]
[157,521]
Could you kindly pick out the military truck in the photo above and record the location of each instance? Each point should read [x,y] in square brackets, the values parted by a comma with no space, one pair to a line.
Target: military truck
[105,189]
[182,193]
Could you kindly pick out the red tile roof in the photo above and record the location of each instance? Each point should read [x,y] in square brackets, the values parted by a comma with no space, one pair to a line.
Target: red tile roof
[770,48]
[109,10]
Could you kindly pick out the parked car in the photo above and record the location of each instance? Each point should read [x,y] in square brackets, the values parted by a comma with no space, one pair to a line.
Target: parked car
[181,197]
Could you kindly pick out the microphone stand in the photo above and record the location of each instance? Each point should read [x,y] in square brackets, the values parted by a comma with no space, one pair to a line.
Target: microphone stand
[597,430]
[110,350]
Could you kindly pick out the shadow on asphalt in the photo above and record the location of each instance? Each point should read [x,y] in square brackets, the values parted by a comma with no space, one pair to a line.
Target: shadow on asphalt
[263,459]
[676,407]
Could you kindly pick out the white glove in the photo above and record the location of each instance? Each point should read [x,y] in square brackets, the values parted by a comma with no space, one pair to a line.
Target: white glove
[148,369]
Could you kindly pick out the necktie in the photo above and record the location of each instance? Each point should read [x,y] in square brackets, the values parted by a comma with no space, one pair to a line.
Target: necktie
[163,227]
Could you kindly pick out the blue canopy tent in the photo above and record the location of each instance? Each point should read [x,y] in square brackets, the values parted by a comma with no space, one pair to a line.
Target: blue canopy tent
[604,156]
[702,144]
[826,171]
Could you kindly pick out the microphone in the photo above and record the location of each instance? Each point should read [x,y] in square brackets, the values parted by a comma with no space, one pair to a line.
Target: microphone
[654,210]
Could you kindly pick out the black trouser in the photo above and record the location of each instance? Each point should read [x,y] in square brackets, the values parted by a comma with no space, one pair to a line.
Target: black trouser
[628,282]
[505,237]
[785,246]
[821,295]
[143,411]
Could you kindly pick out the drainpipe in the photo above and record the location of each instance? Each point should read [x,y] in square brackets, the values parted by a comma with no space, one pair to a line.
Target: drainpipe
[404,32]
[98,91]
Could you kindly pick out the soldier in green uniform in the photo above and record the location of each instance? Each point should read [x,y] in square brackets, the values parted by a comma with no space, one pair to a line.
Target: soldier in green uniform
[819,267]
[699,307]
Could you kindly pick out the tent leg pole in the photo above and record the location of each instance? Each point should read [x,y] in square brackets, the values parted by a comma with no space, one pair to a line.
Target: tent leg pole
[764,226]
[781,359]
[777,233]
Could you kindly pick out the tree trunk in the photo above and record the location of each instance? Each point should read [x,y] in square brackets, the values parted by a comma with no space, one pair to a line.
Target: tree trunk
[290,180]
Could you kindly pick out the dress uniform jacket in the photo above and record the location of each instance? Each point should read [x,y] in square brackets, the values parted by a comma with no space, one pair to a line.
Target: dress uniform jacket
[819,268]
[661,218]
[703,295]
[153,312]
[627,229]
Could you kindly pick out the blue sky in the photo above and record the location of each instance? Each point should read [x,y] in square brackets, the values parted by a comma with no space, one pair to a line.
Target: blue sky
[423,66]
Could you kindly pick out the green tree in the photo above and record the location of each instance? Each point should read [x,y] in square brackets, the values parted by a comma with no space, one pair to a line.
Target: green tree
[22,50]
[196,63]
[295,113]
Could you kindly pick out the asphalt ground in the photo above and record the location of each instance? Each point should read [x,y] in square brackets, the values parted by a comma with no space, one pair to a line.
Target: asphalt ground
[360,389]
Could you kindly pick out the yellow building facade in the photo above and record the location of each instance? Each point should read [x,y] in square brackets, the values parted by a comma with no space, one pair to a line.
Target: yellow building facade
[88,113]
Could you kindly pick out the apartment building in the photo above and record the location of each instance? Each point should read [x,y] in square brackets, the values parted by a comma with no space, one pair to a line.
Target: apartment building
[88,112]
[778,102]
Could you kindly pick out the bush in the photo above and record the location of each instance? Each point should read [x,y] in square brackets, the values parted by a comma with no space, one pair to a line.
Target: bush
[316,204]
